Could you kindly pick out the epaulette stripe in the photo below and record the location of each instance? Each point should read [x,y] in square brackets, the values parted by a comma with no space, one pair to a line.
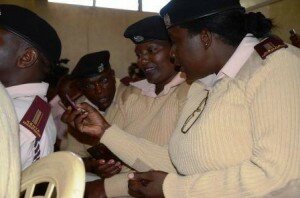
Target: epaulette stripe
[268,46]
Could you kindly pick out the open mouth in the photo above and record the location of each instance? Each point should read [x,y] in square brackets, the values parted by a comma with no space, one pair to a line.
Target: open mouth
[149,70]
[103,100]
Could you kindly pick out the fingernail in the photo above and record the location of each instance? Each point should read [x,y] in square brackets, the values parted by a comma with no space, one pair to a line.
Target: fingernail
[118,163]
[102,161]
[130,175]
[111,162]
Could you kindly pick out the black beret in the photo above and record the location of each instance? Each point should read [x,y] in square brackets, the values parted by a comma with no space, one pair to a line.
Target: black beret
[150,28]
[32,28]
[181,11]
[91,65]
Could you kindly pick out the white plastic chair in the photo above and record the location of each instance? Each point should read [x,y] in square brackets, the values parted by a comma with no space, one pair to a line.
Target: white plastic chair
[63,171]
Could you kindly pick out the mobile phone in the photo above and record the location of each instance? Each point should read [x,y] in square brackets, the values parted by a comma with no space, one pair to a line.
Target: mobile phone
[71,102]
[73,105]
[100,151]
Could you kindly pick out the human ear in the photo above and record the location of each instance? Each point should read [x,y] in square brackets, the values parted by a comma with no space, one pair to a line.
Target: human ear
[206,38]
[28,58]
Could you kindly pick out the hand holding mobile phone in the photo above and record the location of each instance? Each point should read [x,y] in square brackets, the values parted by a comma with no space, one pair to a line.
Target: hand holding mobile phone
[100,151]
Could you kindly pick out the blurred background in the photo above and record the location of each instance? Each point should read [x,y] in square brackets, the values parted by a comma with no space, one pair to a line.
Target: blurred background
[86,26]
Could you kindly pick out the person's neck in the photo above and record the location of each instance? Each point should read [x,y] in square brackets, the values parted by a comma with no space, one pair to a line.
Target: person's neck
[159,87]
[16,82]
[10,82]
[223,55]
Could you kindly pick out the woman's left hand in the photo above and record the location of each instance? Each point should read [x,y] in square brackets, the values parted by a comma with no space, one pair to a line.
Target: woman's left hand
[146,184]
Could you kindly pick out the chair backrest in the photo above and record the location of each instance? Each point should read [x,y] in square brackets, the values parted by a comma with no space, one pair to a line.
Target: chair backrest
[60,175]
[10,168]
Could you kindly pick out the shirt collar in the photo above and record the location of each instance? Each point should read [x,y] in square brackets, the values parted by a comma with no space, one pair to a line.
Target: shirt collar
[208,81]
[54,101]
[239,57]
[28,90]
[235,63]
[148,89]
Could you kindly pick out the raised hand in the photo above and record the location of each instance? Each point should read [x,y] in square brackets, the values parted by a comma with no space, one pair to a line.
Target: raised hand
[86,119]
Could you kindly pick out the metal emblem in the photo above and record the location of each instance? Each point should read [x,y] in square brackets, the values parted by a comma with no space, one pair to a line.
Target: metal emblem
[101,68]
[138,39]
[167,20]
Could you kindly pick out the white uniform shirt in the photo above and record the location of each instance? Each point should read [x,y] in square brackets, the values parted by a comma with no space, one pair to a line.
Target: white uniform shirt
[22,97]
[148,89]
[235,63]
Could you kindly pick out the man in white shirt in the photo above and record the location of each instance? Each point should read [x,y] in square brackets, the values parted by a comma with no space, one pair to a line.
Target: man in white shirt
[29,49]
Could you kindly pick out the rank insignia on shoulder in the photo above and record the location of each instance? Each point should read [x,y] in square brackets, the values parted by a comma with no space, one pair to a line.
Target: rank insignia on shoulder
[269,45]
[36,117]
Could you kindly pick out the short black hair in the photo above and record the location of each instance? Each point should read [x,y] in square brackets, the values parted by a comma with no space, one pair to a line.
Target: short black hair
[232,26]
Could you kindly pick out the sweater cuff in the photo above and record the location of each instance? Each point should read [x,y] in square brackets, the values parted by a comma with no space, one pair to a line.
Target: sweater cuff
[116,186]
[111,134]
[120,143]
[175,186]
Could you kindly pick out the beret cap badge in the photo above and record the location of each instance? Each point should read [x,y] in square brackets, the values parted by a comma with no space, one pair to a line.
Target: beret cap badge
[167,21]
[101,68]
[92,64]
[138,39]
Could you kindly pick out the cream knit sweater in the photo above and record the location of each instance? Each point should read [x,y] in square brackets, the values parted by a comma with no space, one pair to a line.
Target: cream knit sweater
[245,144]
[144,117]
[10,163]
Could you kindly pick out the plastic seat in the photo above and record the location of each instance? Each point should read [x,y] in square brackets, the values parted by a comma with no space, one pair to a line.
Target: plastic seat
[62,175]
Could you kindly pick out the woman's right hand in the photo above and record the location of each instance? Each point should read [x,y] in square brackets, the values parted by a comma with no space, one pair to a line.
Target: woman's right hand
[86,119]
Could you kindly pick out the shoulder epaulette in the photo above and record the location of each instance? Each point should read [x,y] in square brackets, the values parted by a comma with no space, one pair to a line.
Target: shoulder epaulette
[36,117]
[269,45]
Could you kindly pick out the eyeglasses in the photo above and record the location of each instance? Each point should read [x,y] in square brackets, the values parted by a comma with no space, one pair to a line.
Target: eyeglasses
[190,121]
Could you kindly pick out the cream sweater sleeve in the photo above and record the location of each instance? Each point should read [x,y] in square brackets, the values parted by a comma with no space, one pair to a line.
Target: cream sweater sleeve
[10,167]
[131,149]
[117,185]
[274,103]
